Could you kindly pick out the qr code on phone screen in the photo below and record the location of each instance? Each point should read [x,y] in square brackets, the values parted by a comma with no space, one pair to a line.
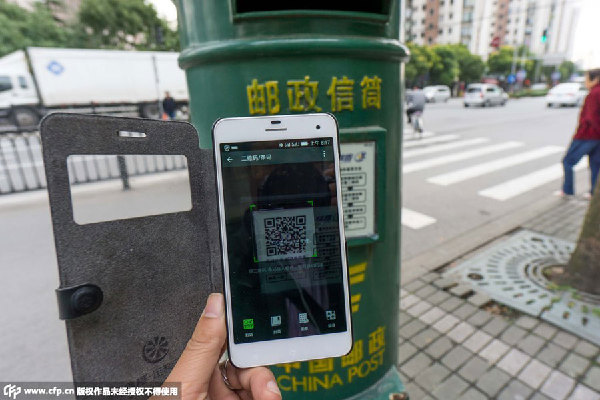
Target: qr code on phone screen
[284,233]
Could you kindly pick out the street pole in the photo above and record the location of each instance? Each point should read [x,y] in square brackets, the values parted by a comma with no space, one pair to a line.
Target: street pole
[156,83]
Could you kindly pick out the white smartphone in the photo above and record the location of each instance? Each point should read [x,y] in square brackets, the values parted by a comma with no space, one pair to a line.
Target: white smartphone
[282,236]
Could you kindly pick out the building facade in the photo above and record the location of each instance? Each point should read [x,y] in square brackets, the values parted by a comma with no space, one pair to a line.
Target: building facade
[482,25]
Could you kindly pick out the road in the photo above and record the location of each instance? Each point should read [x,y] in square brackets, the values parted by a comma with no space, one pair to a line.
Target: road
[480,165]
[436,210]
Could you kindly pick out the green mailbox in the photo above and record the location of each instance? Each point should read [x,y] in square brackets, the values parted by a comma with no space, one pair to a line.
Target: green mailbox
[265,57]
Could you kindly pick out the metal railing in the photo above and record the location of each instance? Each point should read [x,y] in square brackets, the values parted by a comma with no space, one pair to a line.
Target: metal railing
[22,168]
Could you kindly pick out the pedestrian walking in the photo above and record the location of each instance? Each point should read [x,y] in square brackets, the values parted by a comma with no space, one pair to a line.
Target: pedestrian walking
[586,140]
[169,106]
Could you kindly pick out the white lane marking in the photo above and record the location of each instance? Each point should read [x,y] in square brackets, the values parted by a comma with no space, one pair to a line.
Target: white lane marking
[415,220]
[485,168]
[434,162]
[435,139]
[410,134]
[517,186]
[444,147]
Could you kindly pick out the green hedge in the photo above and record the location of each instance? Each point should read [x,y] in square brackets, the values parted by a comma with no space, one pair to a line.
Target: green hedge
[529,93]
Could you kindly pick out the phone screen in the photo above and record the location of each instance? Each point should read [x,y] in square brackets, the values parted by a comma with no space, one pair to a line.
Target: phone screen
[283,239]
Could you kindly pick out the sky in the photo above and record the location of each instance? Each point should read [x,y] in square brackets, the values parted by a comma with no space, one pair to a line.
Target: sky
[587,38]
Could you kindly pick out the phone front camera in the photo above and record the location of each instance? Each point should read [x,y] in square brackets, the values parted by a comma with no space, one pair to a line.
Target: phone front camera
[318,126]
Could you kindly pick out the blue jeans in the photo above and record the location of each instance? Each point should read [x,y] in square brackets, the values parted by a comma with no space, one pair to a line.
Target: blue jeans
[577,150]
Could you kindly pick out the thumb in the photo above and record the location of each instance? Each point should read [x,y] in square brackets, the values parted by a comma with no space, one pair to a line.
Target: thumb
[202,353]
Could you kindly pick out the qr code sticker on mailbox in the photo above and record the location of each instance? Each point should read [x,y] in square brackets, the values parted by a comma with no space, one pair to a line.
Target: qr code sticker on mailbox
[281,234]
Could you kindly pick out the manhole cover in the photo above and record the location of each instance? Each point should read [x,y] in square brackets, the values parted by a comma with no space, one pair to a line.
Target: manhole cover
[511,273]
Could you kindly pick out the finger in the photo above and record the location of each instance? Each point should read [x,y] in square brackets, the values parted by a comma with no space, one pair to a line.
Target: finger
[198,360]
[259,380]
[218,389]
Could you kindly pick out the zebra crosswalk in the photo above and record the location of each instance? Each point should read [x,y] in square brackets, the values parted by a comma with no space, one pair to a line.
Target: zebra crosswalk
[464,159]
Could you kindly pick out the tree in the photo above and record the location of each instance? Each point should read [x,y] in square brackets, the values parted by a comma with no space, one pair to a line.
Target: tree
[566,69]
[124,24]
[421,61]
[22,28]
[500,62]
[445,70]
[583,270]
[470,66]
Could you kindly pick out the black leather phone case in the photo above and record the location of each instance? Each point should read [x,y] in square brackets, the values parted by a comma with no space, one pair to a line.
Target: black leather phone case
[131,291]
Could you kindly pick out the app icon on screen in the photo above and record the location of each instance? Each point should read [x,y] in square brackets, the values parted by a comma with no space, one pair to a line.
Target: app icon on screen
[303,318]
[275,320]
[248,323]
[330,315]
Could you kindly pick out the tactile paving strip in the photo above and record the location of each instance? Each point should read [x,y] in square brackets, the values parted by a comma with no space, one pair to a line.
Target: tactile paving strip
[511,274]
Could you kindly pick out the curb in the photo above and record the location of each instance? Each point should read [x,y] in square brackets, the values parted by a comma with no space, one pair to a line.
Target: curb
[460,245]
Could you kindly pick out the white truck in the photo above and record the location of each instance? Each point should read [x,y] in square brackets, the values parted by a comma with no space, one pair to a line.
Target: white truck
[37,81]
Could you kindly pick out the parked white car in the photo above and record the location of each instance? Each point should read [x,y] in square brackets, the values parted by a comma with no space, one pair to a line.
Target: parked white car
[566,94]
[437,93]
[484,95]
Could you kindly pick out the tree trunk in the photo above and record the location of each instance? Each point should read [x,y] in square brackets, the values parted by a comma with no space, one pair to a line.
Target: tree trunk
[583,269]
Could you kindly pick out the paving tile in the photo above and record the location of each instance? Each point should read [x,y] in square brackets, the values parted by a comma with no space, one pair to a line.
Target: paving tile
[433,315]
[426,291]
[414,285]
[440,347]
[531,344]
[473,394]
[446,323]
[515,390]
[479,318]
[592,378]
[479,299]
[551,354]
[512,335]
[406,351]
[477,341]
[493,351]
[492,381]
[432,376]
[473,369]
[403,293]
[545,330]
[565,340]
[410,329]
[438,297]
[456,357]
[425,338]
[527,322]
[451,388]
[535,373]
[418,308]
[461,289]
[460,332]
[495,326]
[513,361]
[403,319]
[539,396]
[414,391]
[444,283]
[415,365]
[408,301]
[582,392]
[574,365]
[558,386]
[430,277]
[451,303]
[465,311]
[586,349]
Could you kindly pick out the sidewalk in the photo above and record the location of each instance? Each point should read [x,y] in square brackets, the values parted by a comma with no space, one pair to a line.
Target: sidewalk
[456,344]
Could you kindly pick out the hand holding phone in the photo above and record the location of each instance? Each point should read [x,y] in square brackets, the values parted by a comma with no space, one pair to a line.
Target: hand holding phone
[282,235]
